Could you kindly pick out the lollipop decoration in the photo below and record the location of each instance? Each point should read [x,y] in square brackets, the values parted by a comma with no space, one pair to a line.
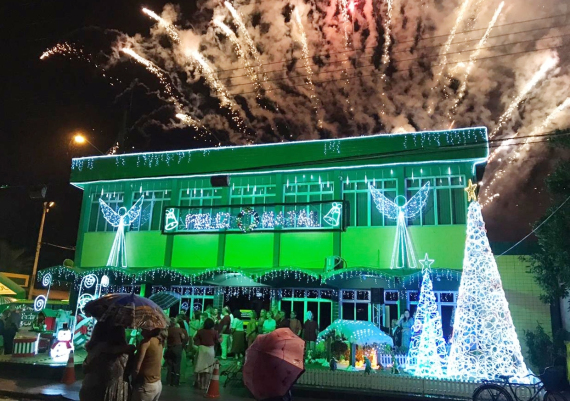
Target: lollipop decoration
[41,300]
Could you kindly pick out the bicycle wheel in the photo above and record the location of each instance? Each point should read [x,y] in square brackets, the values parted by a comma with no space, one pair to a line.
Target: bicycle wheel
[554,396]
[491,392]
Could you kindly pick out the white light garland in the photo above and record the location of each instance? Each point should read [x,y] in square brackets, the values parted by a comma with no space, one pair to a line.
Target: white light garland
[427,356]
[484,343]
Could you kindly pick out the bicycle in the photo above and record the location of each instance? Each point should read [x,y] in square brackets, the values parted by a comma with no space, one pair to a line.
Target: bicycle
[503,390]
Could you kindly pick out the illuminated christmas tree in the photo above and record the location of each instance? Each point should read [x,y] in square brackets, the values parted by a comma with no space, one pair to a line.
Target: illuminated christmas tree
[484,343]
[427,356]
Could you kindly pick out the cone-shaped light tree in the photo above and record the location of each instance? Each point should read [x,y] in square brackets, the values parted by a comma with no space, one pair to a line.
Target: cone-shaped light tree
[427,356]
[484,343]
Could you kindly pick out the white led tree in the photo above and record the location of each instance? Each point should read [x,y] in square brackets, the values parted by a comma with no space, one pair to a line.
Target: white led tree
[484,343]
[427,356]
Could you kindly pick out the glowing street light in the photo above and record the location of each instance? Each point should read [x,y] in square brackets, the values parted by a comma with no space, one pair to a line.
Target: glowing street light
[80,139]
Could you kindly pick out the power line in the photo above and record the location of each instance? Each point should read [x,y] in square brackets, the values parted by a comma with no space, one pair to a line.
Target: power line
[537,227]
[406,70]
[400,61]
[393,52]
[408,41]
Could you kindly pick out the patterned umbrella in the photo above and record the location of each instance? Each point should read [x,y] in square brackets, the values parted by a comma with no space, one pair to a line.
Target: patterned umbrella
[128,310]
[273,364]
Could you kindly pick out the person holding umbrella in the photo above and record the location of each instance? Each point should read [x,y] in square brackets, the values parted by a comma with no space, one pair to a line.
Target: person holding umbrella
[273,364]
[132,311]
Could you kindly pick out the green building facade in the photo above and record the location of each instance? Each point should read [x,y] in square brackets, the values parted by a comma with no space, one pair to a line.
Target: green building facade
[288,223]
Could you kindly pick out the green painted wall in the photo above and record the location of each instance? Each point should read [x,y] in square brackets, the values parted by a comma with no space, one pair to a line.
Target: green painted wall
[368,246]
[305,249]
[195,251]
[249,250]
[444,244]
[96,248]
[145,249]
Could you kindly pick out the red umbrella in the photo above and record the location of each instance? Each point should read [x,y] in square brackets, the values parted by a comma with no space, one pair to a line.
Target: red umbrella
[273,364]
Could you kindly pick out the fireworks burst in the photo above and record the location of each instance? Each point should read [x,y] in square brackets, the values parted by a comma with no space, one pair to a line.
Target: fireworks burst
[308,69]
[549,64]
[472,58]
[358,94]
[171,30]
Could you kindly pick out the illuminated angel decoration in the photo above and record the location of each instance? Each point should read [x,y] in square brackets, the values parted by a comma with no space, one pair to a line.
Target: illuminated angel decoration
[120,219]
[403,252]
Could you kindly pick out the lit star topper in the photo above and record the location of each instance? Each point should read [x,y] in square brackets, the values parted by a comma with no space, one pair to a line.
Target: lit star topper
[470,189]
[426,263]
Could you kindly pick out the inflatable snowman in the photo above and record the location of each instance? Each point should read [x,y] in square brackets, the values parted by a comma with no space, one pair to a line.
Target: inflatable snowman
[63,345]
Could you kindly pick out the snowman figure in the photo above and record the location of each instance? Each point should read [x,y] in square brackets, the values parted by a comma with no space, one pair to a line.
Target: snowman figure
[63,345]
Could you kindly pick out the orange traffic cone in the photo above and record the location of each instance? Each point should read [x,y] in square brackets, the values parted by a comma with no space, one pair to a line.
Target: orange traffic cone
[69,373]
[214,386]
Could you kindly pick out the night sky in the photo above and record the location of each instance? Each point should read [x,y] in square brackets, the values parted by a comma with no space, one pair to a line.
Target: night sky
[46,102]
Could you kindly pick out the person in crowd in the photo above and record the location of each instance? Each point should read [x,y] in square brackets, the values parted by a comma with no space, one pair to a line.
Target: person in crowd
[310,333]
[205,339]
[39,321]
[3,318]
[269,323]
[181,320]
[105,367]
[260,321]
[238,336]
[15,316]
[406,322]
[283,321]
[224,329]
[177,339]
[147,367]
[215,315]
[196,323]
[396,332]
[294,324]
[278,316]
[252,329]
[9,332]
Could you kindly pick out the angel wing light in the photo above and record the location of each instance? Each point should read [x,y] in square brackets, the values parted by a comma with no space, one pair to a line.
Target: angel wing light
[403,251]
[120,219]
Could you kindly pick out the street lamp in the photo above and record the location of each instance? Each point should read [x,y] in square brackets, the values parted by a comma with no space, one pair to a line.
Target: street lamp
[80,139]
[47,206]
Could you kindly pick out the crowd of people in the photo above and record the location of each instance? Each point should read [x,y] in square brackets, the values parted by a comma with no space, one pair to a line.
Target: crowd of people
[9,324]
[115,370]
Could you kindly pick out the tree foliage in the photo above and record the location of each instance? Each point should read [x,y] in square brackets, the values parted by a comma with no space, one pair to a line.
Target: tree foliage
[550,264]
[544,351]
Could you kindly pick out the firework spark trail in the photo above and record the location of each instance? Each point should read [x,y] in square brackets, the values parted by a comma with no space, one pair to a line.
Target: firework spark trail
[538,76]
[443,60]
[171,30]
[247,37]
[345,20]
[64,49]
[221,90]
[252,74]
[156,71]
[536,131]
[307,61]
[472,58]
[387,33]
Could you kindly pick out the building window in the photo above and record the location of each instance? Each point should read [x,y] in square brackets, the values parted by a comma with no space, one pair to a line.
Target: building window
[150,217]
[252,194]
[446,203]
[355,305]
[318,302]
[363,211]
[392,308]
[294,193]
[97,221]
[201,199]
[194,299]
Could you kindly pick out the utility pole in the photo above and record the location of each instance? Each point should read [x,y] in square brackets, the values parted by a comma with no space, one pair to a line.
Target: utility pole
[38,248]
